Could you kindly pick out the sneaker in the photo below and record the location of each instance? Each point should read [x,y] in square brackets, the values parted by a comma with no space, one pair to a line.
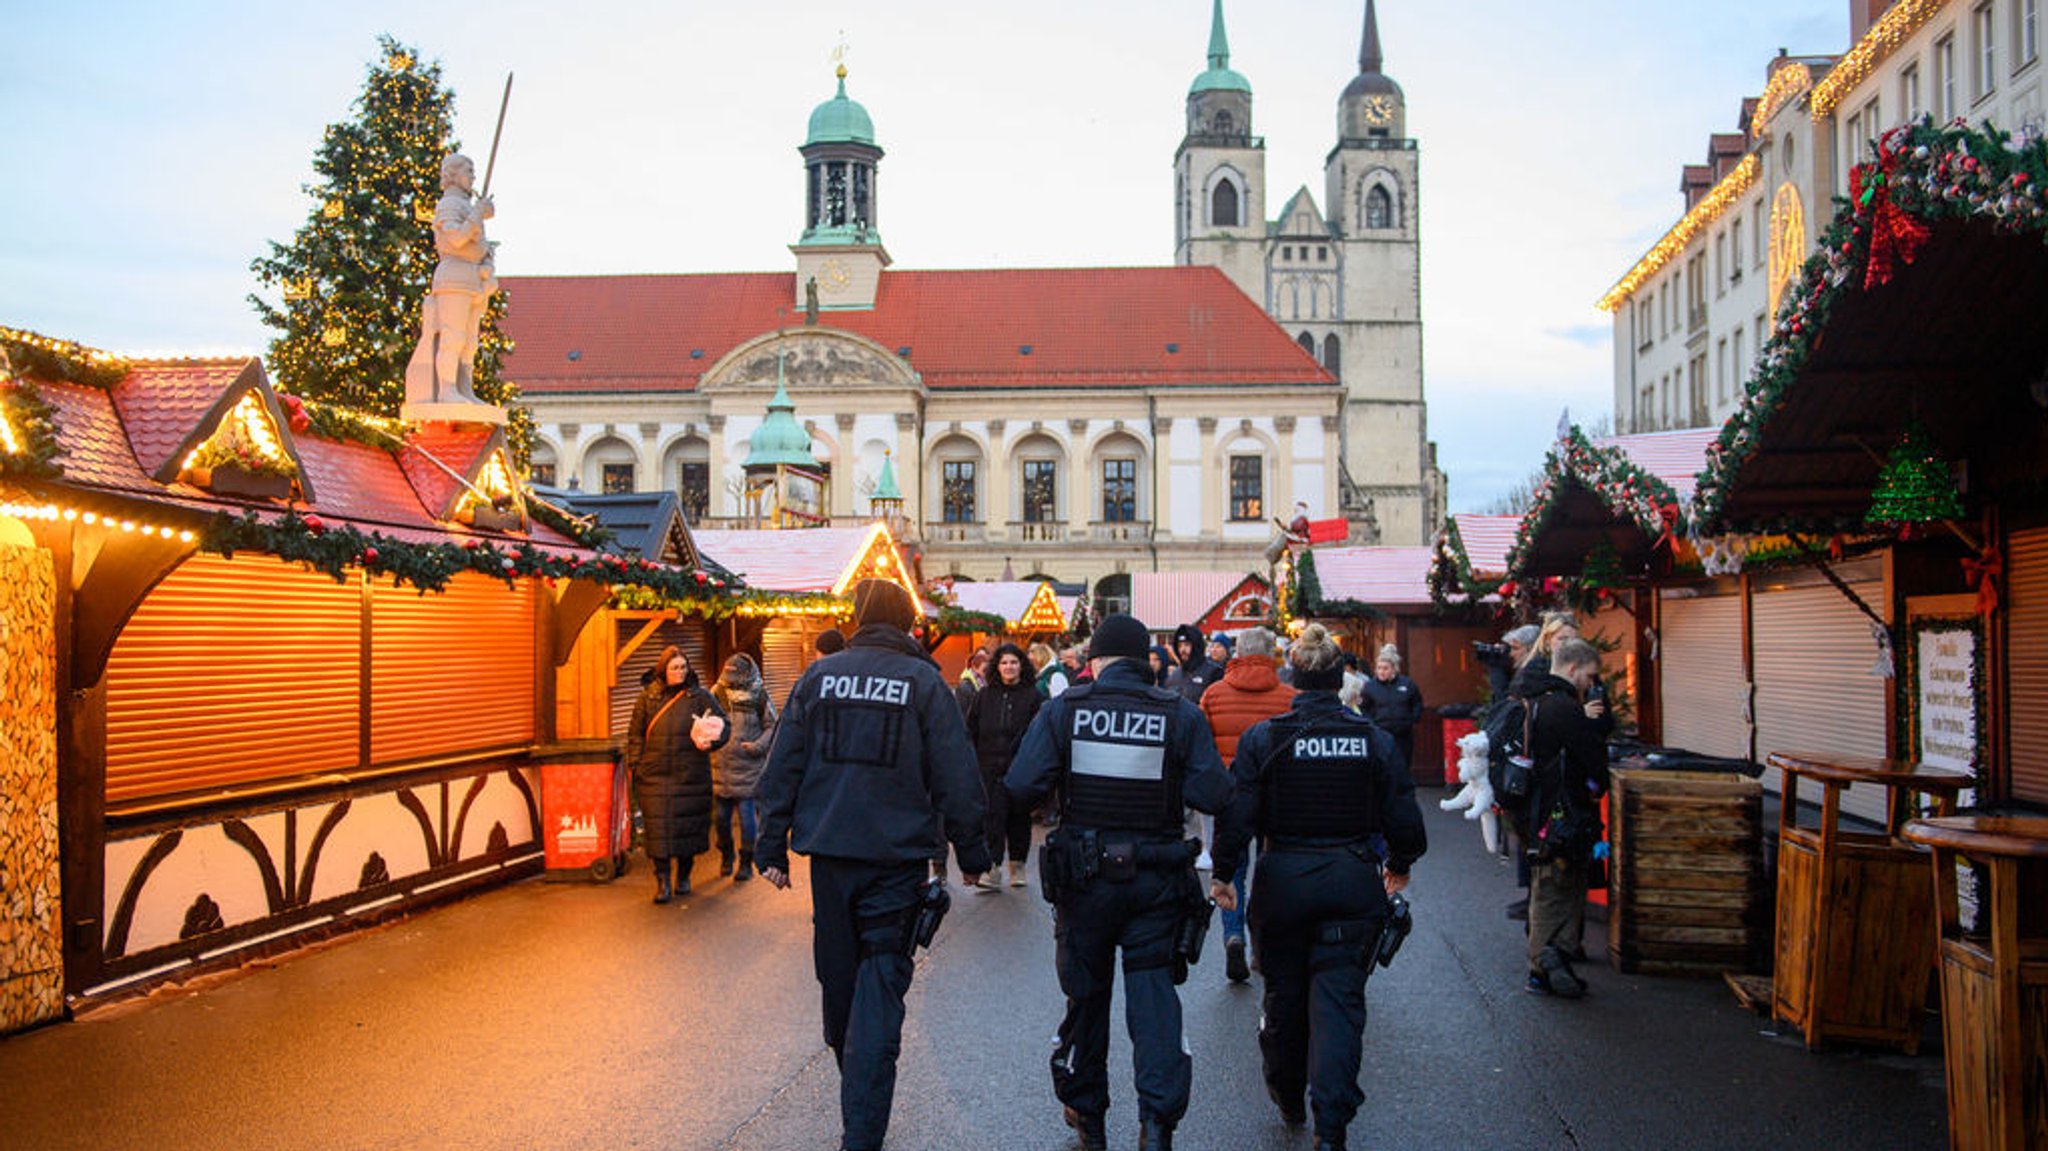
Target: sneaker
[1234,968]
[1016,874]
[1537,985]
[988,881]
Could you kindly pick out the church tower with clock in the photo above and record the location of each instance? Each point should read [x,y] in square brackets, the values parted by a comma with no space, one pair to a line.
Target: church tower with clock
[1344,279]
[839,257]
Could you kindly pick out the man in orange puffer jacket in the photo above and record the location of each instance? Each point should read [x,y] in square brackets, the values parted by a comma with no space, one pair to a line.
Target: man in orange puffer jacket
[1250,691]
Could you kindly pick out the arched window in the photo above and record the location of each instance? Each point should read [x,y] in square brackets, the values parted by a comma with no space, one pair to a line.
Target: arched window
[1307,341]
[1222,125]
[1223,205]
[1330,357]
[1379,209]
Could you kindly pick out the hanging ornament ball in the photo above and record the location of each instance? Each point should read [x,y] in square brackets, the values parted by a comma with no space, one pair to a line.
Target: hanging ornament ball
[369,555]
[332,209]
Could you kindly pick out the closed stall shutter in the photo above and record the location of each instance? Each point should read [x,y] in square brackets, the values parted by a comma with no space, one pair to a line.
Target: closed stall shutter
[786,648]
[1700,678]
[233,672]
[692,635]
[2026,562]
[451,672]
[1815,691]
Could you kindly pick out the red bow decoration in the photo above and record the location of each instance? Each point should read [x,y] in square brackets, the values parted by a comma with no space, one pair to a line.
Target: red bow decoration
[1895,237]
[1982,574]
[1668,512]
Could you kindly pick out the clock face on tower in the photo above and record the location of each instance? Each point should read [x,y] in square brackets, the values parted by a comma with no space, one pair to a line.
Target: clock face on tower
[833,274]
[1379,111]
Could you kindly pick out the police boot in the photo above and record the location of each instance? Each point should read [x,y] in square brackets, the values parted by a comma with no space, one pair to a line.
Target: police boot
[746,870]
[662,892]
[1094,1136]
[1154,1135]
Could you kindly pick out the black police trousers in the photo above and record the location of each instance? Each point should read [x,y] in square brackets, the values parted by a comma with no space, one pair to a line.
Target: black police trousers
[857,922]
[1139,916]
[1314,1028]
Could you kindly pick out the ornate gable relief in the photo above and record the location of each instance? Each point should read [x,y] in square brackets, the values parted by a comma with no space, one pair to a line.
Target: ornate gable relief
[812,359]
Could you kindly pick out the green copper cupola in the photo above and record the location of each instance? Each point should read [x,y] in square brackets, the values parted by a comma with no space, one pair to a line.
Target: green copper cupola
[840,158]
[1219,77]
[780,440]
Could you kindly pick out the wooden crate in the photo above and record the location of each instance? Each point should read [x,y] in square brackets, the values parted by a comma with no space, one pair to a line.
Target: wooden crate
[1687,892]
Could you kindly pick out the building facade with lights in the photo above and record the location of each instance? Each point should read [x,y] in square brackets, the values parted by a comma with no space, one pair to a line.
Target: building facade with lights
[1691,315]
[1078,423]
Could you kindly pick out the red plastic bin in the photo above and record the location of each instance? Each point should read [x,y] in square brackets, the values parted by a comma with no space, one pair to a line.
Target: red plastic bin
[586,825]
[1454,730]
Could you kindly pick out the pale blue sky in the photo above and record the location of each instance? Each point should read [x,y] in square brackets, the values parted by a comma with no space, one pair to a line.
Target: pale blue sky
[154,148]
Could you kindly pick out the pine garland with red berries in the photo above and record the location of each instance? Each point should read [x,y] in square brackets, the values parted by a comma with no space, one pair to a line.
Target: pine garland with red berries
[1629,491]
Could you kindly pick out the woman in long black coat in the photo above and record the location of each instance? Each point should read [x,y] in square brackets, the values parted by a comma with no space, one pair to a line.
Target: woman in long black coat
[675,727]
[996,721]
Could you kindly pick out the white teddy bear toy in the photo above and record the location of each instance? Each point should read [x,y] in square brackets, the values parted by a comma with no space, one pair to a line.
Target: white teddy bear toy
[1476,797]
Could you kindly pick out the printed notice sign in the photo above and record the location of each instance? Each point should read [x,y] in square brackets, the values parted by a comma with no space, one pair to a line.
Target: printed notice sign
[1947,697]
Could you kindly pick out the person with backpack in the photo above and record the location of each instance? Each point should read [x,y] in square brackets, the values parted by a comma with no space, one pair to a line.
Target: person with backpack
[1568,776]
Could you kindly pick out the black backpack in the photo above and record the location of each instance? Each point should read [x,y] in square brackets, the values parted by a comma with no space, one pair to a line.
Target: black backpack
[1505,728]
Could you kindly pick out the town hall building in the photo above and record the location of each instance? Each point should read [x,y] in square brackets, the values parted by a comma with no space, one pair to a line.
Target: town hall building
[1080,423]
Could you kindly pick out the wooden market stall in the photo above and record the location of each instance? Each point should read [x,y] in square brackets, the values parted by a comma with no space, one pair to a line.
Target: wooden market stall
[1212,601]
[1029,611]
[298,661]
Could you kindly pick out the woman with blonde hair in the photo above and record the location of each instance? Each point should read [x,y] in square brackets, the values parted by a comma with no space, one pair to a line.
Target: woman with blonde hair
[1317,785]
[1052,678]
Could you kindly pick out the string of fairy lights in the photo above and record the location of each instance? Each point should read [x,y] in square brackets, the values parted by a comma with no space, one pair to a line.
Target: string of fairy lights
[1894,28]
[1675,241]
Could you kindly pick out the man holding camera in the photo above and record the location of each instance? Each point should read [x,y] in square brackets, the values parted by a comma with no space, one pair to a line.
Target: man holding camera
[870,757]
[1125,756]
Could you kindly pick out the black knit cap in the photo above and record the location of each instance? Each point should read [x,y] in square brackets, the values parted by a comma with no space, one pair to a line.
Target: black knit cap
[1120,635]
[883,601]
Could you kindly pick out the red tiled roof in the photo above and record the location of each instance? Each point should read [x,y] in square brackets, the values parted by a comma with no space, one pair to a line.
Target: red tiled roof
[458,447]
[1086,327]
[1674,457]
[1375,575]
[354,483]
[162,405]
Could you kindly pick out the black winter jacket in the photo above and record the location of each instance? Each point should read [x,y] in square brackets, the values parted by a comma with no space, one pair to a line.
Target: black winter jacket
[1385,773]
[1395,705]
[1000,713]
[870,757]
[671,775]
[1566,746]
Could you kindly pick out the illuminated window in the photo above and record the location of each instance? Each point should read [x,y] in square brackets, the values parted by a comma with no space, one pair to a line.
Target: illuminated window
[542,474]
[956,491]
[618,478]
[1247,488]
[1041,491]
[1119,491]
[693,488]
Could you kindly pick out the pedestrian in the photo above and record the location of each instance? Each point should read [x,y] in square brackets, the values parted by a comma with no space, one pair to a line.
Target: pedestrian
[736,767]
[1162,664]
[676,724]
[1318,785]
[1196,672]
[1126,756]
[996,723]
[870,758]
[1220,650]
[972,679]
[1074,661]
[1569,777]
[1504,658]
[1393,701]
[1249,691]
[1051,674]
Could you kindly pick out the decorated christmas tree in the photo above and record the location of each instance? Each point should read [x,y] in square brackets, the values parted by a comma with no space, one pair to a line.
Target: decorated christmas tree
[352,279]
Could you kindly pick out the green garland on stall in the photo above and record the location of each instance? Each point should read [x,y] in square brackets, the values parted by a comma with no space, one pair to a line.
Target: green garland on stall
[1309,602]
[309,540]
[1451,572]
[1927,174]
[65,361]
[34,421]
[953,620]
[1628,490]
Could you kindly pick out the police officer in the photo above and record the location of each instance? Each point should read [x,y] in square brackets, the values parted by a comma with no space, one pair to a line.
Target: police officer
[1321,787]
[870,757]
[1126,756]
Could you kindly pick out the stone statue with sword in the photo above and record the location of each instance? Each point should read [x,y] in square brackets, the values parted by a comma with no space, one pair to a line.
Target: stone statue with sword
[440,377]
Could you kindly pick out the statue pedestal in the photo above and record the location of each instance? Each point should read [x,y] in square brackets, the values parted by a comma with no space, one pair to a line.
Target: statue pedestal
[453,413]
